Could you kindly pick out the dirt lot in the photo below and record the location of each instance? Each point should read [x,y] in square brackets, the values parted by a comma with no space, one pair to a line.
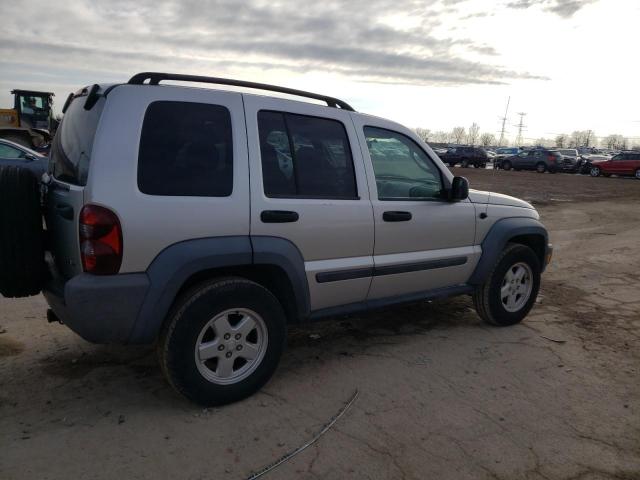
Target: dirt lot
[441,396]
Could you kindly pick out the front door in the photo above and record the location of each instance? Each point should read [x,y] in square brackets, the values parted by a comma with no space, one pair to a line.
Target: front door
[308,186]
[422,242]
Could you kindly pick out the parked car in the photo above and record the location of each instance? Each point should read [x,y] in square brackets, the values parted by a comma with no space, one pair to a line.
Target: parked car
[12,153]
[540,159]
[625,163]
[466,156]
[174,218]
[571,160]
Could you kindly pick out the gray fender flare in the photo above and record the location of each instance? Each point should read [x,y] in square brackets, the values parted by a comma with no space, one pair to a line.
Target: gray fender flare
[177,263]
[497,238]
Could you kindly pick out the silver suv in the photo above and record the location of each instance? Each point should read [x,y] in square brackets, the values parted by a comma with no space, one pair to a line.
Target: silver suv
[209,220]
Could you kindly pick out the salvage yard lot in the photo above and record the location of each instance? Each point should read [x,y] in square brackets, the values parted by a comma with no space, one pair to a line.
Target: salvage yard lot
[441,395]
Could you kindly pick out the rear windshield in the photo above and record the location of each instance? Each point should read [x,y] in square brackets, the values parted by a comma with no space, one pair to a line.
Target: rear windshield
[71,149]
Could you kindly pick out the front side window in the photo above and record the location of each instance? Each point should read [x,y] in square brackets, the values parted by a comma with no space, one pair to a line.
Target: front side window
[403,170]
[305,156]
[186,149]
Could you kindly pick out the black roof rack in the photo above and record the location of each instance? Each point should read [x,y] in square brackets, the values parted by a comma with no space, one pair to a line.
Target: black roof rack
[156,77]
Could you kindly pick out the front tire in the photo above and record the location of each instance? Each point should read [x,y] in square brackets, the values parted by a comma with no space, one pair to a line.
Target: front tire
[506,165]
[541,167]
[637,174]
[222,341]
[511,289]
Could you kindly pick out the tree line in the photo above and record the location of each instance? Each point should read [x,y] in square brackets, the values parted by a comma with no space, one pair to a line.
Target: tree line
[576,139]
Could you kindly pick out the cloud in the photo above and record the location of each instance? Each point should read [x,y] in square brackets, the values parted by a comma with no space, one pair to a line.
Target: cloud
[371,40]
[563,8]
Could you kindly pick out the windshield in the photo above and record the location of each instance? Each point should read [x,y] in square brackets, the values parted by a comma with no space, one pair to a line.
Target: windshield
[71,149]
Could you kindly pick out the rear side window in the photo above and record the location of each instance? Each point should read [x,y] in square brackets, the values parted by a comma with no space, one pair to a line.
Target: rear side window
[71,149]
[186,149]
[305,156]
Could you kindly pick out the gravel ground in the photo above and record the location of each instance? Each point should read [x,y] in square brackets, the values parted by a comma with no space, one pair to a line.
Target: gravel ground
[441,395]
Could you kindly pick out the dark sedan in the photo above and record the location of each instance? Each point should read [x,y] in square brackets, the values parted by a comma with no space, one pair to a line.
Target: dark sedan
[12,153]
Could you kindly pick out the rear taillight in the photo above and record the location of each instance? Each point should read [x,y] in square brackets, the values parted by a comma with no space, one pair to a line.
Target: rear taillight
[551,159]
[100,240]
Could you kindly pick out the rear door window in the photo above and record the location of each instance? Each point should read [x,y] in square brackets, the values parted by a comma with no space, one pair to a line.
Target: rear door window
[186,149]
[304,156]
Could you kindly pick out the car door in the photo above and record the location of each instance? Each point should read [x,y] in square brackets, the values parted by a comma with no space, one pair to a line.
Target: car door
[422,241]
[628,164]
[521,160]
[9,155]
[308,186]
[615,165]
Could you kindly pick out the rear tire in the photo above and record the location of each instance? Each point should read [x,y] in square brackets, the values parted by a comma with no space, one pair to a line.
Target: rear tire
[506,165]
[206,315]
[465,164]
[506,297]
[637,174]
[594,172]
[22,266]
[541,167]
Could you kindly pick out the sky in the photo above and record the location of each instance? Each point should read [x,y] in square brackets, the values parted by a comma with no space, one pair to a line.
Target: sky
[437,64]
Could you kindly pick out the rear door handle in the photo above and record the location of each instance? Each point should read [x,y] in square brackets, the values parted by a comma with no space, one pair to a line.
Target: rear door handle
[65,211]
[396,216]
[279,216]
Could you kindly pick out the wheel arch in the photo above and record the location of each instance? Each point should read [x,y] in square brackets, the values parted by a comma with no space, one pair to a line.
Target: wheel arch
[523,230]
[274,263]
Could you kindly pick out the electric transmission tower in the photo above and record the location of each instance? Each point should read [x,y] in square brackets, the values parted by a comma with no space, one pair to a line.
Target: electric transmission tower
[521,128]
[504,120]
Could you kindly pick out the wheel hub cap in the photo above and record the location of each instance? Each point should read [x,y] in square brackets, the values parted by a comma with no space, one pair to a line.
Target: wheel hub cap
[516,287]
[231,346]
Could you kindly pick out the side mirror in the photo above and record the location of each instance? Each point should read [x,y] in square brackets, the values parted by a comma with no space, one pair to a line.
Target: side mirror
[459,189]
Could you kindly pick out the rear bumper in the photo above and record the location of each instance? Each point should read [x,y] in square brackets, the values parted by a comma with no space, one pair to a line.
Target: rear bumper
[101,309]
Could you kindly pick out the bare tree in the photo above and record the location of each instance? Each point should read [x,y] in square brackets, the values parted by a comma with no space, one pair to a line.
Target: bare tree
[458,134]
[615,142]
[590,139]
[474,132]
[424,134]
[544,142]
[487,139]
[441,137]
[562,140]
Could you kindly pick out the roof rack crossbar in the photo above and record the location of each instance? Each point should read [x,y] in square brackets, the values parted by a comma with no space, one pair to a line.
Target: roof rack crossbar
[156,77]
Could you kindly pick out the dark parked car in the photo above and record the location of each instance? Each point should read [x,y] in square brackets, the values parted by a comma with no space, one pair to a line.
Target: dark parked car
[625,163]
[466,156]
[12,153]
[540,159]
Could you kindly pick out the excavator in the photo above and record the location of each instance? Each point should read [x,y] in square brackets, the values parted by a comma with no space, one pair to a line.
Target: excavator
[30,122]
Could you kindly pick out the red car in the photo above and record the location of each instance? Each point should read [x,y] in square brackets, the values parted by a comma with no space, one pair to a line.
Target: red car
[625,163]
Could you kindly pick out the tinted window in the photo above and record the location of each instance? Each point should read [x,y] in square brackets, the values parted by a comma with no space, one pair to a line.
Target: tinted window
[305,156]
[71,148]
[7,151]
[186,149]
[403,170]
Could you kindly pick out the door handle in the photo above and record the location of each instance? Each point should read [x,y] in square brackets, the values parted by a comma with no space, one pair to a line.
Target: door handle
[65,211]
[396,216]
[278,216]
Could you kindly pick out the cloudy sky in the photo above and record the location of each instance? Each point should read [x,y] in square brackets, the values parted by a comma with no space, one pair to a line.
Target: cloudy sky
[569,64]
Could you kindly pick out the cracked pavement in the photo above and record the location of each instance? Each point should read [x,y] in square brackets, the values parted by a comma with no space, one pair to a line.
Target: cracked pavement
[442,395]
